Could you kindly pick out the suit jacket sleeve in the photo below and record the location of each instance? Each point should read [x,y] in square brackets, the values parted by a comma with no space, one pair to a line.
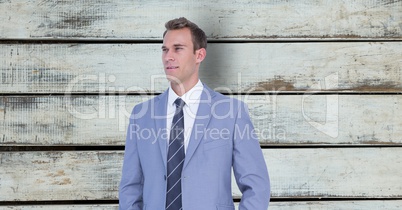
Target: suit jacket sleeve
[249,166]
[131,185]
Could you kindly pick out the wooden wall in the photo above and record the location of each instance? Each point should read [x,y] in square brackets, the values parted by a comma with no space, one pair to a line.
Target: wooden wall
[323,81]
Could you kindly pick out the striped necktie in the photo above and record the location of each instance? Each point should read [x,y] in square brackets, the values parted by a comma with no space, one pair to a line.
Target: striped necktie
[175,159]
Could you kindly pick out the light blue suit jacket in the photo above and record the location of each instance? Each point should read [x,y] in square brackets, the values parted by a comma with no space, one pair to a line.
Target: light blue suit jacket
[222,138]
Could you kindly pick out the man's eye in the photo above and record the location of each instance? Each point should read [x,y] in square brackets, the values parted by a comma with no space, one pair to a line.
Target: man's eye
[179,48]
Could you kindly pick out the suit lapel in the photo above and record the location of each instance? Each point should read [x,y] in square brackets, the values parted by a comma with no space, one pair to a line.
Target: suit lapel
[160,124]
[201,122]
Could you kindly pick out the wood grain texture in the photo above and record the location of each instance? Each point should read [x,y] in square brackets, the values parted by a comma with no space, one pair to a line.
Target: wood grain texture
[30,176]
[278,119]
[316,205]
[301,173]
[307,19]
[267,55]
[335,172]
[231,68]
[61,207]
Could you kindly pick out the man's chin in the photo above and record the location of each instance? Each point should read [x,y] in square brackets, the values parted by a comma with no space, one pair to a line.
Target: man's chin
[173,79]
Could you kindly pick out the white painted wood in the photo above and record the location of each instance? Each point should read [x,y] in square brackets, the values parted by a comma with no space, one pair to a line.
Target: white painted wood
[30,176]
[61,207]
[335,172]
[307,173]
[307,19]
[278,119]
[337,205]
[232,68]
[319,205]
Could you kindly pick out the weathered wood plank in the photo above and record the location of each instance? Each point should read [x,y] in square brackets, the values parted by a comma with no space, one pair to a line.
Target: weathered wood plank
[335,172]
[308,19]
[60,207]
[232,68]
[309,173]
[30,176]
[278,119]
[316,205]
[337,205]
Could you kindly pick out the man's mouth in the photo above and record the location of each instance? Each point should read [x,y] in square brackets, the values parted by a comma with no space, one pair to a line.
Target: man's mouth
[171,67]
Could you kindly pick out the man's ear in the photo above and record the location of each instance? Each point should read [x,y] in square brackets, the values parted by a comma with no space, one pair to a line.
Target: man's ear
[201,54]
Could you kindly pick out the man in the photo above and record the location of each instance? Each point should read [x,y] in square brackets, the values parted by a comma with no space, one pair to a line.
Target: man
[182,145]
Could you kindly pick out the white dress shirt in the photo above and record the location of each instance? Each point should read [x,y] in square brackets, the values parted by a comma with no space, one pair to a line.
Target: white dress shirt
[192,100]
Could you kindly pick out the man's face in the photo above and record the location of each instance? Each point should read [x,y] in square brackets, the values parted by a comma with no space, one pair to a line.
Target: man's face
[178,57]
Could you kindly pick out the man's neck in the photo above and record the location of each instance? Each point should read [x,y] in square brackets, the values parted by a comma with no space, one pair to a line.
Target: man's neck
[181,89]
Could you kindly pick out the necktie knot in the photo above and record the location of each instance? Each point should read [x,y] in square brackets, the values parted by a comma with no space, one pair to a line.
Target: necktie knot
[179,103]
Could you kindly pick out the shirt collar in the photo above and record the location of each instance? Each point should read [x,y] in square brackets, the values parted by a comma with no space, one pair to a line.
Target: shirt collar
[190,97]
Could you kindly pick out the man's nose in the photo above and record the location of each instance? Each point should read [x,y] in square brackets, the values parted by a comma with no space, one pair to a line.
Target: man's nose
[169,56]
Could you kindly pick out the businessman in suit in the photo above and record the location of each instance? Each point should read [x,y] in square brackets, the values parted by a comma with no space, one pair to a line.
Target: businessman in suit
[182,145]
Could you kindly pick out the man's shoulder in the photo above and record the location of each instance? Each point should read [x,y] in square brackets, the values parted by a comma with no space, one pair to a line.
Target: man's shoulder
[219,96]
[148,102]
[224,102]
